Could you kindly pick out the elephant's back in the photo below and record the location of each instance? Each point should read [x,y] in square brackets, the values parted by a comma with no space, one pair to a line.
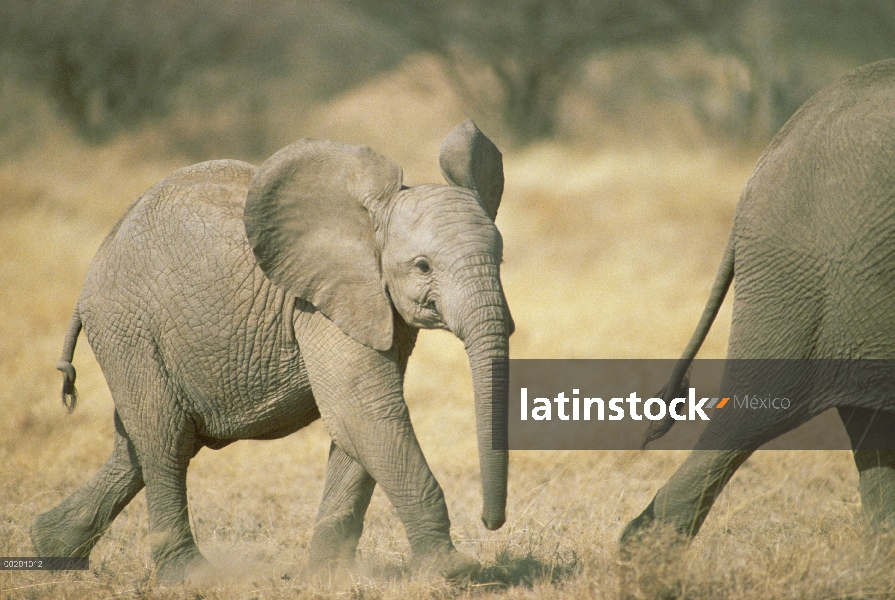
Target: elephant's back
[191,215]
[830,168]
[219,185]
[815,227]
[177,276]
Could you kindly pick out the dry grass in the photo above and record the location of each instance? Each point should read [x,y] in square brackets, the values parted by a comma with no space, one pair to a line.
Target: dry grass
[607,255]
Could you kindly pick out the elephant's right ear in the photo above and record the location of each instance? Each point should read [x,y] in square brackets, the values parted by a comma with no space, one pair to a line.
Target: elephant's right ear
[307,221]
[469,159]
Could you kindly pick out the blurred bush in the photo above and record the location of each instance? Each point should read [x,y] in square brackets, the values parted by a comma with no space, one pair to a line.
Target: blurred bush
[109,65]
[792,48]
[237,77]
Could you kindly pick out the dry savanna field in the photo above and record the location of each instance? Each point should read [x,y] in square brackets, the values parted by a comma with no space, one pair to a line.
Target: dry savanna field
[609,252]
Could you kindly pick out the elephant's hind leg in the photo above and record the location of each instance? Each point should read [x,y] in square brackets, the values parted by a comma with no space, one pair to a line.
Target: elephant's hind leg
[683,503]
[153,412]
[340,520]
[872,435]
[73,527]
[652,543]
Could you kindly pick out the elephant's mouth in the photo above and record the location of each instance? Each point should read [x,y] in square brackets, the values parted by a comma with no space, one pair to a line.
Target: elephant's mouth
[427,315]
[427,306]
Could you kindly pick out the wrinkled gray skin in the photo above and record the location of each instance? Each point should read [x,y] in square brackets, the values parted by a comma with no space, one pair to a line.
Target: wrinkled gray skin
[235,302]
[813,250]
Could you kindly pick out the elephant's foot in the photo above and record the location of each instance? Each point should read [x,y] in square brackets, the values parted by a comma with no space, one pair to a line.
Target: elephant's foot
[62,532]
[877,485]
[334,543]
[188,568]
[177,559]
[650,552]
[879,543]
[451,565]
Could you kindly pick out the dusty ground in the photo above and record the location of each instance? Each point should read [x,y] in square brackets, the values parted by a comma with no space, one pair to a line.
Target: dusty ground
[608,254]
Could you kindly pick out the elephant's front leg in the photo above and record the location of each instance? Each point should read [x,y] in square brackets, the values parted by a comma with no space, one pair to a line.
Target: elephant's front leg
[359,391]
[340,520]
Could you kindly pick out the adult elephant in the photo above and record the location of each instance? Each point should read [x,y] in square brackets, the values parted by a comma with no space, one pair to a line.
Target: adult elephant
[234,302]
[812,255]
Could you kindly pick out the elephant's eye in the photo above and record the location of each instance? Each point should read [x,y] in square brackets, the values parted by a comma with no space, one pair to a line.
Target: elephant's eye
[422,265]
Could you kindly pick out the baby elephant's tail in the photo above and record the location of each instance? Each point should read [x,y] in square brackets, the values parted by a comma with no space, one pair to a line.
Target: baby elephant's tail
[69,394]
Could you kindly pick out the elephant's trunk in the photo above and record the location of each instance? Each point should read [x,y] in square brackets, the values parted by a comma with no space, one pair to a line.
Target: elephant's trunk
[485,329]
[490,383]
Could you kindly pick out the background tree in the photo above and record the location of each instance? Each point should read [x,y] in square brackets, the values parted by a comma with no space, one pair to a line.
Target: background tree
[792,48]
[516,58]
[110,65]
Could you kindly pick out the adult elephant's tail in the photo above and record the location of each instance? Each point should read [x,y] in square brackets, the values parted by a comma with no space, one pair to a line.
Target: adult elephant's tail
[678,383]
[69,394]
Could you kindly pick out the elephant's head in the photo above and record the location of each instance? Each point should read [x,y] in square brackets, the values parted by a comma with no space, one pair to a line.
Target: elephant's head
[333,225]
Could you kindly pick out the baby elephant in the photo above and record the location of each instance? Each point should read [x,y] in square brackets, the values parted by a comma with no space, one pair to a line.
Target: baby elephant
[236,302]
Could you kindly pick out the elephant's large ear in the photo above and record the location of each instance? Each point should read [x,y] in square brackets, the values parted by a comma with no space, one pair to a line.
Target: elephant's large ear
[469,159]
[307,221]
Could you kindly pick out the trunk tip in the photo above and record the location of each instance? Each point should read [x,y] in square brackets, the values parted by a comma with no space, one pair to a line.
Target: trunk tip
[493,524]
